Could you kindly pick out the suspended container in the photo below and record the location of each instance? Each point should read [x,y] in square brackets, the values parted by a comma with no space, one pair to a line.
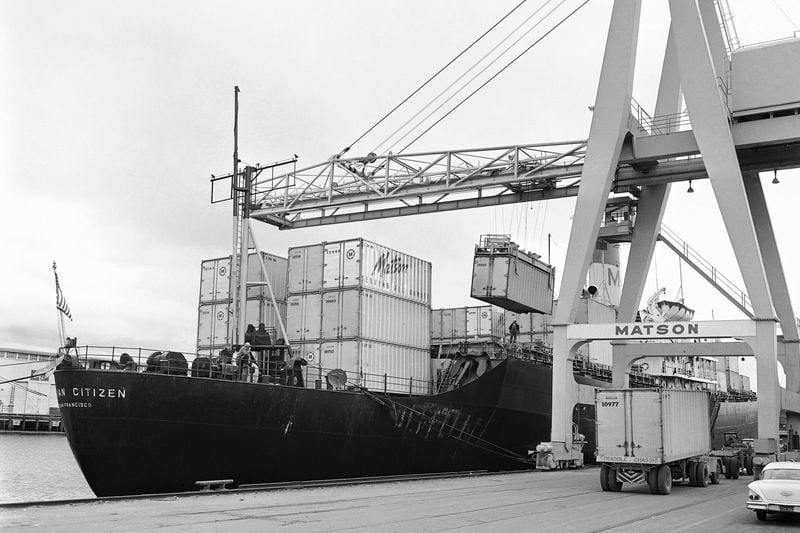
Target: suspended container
[506,276]
[374,315]
[377,366]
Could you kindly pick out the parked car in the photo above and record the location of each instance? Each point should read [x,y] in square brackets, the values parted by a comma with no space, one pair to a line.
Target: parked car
[777,490]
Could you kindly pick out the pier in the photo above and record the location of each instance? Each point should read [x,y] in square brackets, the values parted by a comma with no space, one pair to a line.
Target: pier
[525,501]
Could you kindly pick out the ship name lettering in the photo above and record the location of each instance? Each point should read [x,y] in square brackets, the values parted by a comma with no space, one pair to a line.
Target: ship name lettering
[92,392]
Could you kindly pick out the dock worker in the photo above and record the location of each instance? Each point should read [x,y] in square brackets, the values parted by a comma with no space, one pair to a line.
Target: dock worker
[513,331]
[244,360]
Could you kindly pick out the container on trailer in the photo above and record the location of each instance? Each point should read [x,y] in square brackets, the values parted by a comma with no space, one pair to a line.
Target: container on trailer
[652,426]
[507,276]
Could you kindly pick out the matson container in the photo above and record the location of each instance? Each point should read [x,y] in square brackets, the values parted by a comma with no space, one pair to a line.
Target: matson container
[215,277]
[652,426]
[212,323]
[304,317]
[358,263]
[506,276]
[374,315]
[463,323]
[375,365]
[305,269]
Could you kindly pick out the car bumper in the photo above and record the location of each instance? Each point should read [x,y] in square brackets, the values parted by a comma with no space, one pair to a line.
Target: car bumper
[772,507]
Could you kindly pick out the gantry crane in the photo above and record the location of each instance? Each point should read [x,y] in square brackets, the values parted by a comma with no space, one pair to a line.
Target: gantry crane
[731,130]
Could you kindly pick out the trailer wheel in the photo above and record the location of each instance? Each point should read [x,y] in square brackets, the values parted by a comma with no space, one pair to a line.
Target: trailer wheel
[664,480]
[652,480]
[613,484]
[715,475]
[691,473]
[727,463]
[604,473]
[735,468]
[701,474]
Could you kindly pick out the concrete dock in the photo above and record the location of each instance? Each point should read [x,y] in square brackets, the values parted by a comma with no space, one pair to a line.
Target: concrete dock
[526,501]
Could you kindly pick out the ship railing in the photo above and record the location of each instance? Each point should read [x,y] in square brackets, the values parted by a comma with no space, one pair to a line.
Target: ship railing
[316,377]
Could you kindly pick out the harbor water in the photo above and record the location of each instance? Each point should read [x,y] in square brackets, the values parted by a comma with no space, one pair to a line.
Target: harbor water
[39,466]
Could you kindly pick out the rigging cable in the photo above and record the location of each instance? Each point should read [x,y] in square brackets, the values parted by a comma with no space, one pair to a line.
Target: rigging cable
[470,69]
[484,84]
[785,14]
[407,98]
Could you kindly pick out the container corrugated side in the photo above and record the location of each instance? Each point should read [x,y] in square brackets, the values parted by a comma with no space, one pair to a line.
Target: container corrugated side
[304,272]
[436,323]
[464,323]
[380,367]
[374,315]
[460,322]
[304,317]
[485,321]
[362,263]
[514,282]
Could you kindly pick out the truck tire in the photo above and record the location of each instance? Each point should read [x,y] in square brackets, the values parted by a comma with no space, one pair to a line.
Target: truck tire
[664,480]
[714,476]
[727,464]
[691,473]
[701,474]
[735,468]
[613,484]
[652,480]
[604,471]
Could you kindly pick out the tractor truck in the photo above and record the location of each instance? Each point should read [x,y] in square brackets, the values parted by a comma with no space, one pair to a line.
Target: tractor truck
[654,436]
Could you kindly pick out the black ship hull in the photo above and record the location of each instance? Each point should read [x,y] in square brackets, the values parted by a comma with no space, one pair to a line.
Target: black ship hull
[141,433]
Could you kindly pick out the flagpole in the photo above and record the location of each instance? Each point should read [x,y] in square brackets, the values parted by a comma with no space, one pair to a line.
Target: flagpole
[61,328]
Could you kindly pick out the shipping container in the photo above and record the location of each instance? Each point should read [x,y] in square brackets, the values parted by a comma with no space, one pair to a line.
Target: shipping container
[464,323]
[215,280]
[305,269]
[745,383]
[213,320]
[215,277]
[652,426]
[304,317]
[378,366]
[362,263]
[506,276]
[373,315]
[276,270]
[722,381]
[524,320]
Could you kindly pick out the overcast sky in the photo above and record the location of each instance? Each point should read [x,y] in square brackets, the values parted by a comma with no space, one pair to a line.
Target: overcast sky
[114,115]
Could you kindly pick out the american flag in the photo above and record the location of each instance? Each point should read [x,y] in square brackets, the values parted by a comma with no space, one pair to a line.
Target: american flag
[61,302]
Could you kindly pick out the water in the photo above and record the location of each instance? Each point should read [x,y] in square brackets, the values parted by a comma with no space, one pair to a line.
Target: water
[39,466]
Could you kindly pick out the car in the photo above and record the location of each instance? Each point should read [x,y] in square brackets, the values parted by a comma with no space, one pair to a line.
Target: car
[776,491]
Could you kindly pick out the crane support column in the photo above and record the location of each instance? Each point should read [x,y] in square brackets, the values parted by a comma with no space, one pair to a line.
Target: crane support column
[610,125]
[709,116]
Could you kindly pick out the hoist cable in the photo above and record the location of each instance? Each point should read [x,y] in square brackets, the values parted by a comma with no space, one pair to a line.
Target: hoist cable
[464,74]
[407,98]
[484,84]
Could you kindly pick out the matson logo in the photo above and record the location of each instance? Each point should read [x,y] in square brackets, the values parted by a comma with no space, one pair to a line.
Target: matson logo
[385,265]
[658,329]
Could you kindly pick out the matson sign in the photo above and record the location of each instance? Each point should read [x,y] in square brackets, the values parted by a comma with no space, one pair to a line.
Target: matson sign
[663,330]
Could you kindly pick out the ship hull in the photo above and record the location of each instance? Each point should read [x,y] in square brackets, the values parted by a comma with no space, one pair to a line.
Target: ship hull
[141,433]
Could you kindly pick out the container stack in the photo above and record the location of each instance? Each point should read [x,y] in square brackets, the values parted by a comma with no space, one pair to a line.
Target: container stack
[361,307]
[215,310]
[505,275]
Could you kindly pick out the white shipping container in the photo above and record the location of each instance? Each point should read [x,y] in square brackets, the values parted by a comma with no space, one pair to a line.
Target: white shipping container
[745,383]
[436,323]
[361,263]
[460,322]
[375,365]
[304,317]
[376,316]
[722,381]
[305,269]
[448,323]
[215,279]
[524,320]
[648,426]
[505,276]
[485,321]
[212,328]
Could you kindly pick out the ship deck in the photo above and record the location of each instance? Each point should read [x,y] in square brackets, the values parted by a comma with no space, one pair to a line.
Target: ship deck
[523,501]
